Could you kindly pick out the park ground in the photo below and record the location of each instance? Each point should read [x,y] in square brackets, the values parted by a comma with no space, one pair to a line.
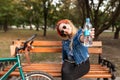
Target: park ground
[111,47]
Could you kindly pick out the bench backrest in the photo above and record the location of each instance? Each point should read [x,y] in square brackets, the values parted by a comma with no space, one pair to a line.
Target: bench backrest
[56,47]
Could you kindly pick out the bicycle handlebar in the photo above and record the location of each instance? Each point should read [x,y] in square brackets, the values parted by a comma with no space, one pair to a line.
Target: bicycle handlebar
[27,41]
[30,39]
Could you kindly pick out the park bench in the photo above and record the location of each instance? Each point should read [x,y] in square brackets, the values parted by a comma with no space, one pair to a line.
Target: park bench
[101,69]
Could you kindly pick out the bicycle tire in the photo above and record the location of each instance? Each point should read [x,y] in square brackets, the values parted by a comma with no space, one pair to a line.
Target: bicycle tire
[37,75]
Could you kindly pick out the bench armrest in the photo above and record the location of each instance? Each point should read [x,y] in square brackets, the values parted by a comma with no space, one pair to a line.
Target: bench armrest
[108,64]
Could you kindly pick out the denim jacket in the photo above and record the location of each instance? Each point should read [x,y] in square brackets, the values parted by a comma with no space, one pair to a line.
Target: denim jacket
[79,52]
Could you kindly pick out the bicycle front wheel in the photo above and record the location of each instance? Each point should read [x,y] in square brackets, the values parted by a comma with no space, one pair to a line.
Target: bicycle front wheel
[39,75]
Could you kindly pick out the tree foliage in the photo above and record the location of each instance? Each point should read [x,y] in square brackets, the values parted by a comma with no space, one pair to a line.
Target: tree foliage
[102,13]
[44,14]
[6,13]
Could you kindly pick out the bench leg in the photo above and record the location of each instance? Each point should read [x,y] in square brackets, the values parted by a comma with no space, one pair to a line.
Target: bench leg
[98,78]
[105,78]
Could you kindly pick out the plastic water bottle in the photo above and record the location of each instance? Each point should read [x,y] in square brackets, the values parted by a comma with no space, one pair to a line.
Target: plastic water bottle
[86,30]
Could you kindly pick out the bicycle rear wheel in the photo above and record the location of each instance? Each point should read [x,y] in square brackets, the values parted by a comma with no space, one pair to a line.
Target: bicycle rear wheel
[37,75]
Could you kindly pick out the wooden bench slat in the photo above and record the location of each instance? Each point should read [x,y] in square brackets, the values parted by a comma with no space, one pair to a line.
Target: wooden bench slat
[89,75]
[97,75]
[59,71]
[97,44]
[54,64]
[95,50]
[59,43]
[58,50]
[47,43]
[56,47]
[57,68]
[46,50]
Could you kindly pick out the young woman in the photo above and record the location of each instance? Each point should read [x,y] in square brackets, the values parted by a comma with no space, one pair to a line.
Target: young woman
[74,54]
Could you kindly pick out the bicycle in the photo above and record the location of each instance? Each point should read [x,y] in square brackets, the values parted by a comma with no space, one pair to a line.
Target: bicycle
[34,75]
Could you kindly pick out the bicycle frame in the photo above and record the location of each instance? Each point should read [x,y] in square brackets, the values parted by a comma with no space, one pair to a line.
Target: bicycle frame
[17,59]
[17,64]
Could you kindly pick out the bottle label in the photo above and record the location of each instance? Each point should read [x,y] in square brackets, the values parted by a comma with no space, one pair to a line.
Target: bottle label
[86,32]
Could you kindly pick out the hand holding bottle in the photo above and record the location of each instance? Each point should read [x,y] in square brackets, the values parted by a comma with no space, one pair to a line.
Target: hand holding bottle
[88,32]
[92,32]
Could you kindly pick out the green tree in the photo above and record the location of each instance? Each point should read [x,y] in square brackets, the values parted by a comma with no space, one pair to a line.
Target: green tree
[30,13]
[6,13]
[69,11]
[37,12]
[20,11]
[102,13]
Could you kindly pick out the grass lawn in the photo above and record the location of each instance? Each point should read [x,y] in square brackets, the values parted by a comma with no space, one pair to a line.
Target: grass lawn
[7,37]
[111,47]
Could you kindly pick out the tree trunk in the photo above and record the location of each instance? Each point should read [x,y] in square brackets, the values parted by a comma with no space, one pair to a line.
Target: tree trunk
[45,17]
[1,27]
[31,27]
[116,35]
[5,26]
[37,27]
[87,8]
[30,23]
[45,23]
[23,26]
